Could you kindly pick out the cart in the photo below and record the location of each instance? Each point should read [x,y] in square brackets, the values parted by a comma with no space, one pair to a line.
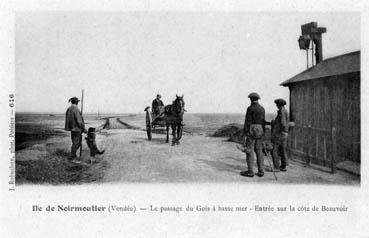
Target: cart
[154,121]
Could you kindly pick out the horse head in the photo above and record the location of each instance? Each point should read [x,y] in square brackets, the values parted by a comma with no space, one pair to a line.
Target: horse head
[179,104]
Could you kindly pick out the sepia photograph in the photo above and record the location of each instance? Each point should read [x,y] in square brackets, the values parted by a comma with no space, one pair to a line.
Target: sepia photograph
[166,118]
[187,97]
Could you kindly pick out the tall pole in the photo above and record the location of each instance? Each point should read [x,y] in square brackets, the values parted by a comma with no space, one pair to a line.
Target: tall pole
[80,152]
[307,58]
[312,53]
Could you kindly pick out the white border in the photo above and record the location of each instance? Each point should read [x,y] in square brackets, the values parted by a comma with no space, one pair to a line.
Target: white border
[16,217]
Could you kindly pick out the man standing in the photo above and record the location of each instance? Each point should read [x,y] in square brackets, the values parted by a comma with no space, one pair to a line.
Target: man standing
[254,130]
[75,124]
[157,104]
[279,136]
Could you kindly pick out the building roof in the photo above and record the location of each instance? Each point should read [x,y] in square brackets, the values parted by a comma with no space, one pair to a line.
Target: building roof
[342,64]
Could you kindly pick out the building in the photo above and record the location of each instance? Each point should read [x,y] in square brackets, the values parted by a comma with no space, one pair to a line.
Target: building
[325,106]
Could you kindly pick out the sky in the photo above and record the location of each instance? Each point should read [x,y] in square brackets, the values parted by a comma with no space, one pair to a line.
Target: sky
[123,59]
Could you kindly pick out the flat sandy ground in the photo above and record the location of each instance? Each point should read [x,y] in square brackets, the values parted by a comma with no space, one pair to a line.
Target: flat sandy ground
[131,157]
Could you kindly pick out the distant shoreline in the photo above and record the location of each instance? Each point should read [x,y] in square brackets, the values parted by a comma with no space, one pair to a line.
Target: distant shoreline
[268,114]
[127,113]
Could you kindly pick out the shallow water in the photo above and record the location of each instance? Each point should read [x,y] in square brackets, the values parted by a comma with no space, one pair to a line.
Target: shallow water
[196,123]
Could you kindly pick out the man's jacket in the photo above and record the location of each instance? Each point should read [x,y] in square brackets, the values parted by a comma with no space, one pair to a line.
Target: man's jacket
[280,124]
[156,104]
[73,119]
[255,115]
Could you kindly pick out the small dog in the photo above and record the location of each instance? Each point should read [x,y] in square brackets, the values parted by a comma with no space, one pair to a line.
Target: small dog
[91,142]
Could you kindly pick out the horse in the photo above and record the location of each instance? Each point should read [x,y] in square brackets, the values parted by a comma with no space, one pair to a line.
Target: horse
[174,118]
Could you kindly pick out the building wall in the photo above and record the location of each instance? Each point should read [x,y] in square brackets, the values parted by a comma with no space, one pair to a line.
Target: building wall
[319,105]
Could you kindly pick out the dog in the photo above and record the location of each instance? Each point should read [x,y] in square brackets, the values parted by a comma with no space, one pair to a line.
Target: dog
[91,142]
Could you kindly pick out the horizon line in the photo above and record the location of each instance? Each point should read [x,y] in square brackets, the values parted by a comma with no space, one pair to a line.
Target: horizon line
[102,113]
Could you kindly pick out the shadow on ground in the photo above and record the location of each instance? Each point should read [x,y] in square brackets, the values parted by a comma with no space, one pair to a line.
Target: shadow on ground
[154,140]
[225,166]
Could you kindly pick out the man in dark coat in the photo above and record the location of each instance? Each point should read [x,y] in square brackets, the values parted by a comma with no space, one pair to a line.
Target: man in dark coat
[254,129]
[157,104]
[279,136]
[75,124]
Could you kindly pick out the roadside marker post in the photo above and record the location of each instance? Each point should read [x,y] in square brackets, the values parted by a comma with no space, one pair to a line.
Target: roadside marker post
[80,152]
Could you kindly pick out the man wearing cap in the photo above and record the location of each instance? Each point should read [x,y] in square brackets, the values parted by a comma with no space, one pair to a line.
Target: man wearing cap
[157,104]
[254,130]
[279,136]
[75,124]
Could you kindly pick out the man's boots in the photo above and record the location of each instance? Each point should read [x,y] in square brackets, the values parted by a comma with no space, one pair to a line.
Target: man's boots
[247,173]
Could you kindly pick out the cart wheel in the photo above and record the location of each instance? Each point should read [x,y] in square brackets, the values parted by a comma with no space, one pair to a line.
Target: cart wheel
[148,125]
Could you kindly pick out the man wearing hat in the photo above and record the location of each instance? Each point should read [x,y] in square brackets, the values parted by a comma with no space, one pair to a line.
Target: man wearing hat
[75,124]
[157,104]
[279,136]
[254,130]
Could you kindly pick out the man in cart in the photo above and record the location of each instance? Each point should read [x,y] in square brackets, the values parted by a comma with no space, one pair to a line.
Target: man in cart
[157,105]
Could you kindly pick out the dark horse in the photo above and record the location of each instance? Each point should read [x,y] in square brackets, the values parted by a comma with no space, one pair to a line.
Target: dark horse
[174,118]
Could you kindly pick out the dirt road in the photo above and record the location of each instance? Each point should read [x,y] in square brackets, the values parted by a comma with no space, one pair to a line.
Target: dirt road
[132,158]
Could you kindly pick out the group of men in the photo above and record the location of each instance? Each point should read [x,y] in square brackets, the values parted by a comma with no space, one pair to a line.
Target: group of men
[254,130]
[75,124]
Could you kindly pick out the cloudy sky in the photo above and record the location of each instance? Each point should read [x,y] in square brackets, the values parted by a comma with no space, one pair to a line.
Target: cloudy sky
[123,59]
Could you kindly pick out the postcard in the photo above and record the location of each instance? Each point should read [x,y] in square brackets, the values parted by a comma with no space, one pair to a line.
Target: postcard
[202,119]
